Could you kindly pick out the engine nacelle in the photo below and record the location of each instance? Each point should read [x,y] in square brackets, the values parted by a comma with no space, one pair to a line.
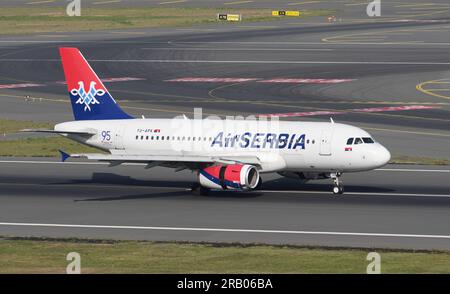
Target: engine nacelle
[229,177]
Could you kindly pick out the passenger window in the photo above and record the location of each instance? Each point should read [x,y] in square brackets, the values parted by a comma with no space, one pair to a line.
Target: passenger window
[368,140]
[350,141]
[358,141]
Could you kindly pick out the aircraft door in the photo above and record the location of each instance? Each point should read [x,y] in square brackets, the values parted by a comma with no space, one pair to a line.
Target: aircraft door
[119,138]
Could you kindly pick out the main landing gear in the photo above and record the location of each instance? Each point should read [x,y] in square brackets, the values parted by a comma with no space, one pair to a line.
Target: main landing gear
[338,187]
[198,189]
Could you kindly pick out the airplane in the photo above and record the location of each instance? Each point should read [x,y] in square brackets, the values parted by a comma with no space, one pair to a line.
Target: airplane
[225,154]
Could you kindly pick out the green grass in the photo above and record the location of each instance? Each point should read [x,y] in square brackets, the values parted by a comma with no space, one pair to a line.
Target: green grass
[403,159]
[22,20]
[42,147]
[49,256]
[11,126]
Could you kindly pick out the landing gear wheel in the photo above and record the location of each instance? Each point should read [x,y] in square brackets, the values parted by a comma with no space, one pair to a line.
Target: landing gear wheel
[338,190]
[338,185]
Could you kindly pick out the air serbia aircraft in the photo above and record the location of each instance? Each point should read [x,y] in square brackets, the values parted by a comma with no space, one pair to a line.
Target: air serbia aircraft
[226,155]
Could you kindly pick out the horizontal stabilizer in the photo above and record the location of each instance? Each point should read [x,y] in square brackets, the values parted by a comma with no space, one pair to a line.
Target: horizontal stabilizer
[64,155]
[58,132]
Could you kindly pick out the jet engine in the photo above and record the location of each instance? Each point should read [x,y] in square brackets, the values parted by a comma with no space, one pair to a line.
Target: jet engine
[229,177]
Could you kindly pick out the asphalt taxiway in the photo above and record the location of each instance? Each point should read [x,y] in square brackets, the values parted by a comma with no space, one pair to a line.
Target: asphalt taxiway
[397,207]
[402,61]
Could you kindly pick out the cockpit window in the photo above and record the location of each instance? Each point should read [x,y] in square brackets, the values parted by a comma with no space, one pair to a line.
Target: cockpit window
[368,140]
[350,141]
[358,141]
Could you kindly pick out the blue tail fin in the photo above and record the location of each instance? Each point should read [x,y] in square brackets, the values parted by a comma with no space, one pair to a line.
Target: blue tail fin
[89,97]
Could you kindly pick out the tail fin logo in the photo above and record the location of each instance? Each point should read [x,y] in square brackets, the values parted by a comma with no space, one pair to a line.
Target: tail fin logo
[87,98]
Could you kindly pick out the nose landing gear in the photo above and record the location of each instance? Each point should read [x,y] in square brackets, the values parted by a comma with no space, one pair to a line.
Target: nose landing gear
[338,187]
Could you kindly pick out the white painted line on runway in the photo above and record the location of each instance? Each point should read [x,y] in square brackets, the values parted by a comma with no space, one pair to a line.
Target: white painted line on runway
[236,61]
[227,230]
[237,49]
[260,80]
[243,43]
[306,81]
[212,80]
[414,170]
[353,193]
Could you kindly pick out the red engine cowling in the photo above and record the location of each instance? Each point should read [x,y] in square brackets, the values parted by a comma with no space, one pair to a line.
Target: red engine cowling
[229,177]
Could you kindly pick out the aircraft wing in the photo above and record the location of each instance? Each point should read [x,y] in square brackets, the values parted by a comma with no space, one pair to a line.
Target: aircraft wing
[165,160]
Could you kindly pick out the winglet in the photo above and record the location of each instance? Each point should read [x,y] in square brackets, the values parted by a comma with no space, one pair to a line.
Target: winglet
[64,155]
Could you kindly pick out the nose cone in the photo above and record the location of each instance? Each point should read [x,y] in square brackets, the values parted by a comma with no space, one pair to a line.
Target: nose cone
[383,156]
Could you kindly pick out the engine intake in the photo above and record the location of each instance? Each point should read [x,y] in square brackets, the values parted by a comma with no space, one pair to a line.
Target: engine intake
[229,177]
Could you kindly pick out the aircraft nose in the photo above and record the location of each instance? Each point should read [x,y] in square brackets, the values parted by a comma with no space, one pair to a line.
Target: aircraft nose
[383,156]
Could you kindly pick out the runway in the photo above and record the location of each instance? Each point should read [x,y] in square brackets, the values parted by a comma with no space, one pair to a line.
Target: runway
[164,72]
[397,207]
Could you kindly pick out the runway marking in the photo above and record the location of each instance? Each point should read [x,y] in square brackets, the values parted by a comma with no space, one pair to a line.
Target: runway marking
[414,170]
[227,230]
[40,2]
[106,2]
[16,86]
[213,80]
[260,80]
[235,49]
[354,193]
[362,110]
[172,2]
[431,92]
[302,3]
[409,44]
[237,61]
[307,81]
[238,2]
[356,4]
[139,164]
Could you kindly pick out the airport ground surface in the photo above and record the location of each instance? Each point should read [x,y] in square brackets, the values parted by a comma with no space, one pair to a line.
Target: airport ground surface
[408,210]
[386,63]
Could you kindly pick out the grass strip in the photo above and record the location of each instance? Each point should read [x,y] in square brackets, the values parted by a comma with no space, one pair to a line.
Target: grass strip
[49,256]
[21,20]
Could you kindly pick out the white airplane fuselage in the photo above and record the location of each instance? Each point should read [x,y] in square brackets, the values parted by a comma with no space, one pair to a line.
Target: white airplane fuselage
[288,147]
